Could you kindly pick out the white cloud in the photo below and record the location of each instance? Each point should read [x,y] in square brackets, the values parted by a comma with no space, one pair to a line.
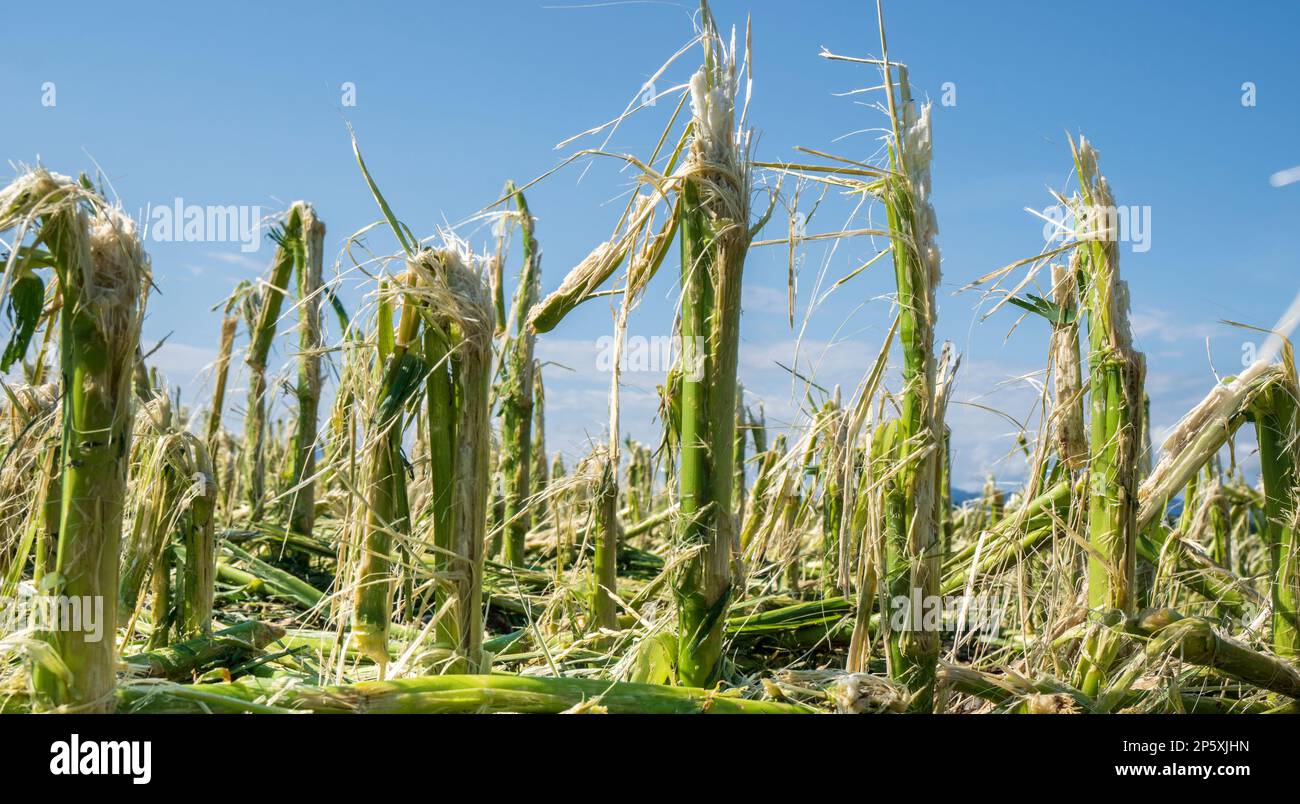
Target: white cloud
[1162,325]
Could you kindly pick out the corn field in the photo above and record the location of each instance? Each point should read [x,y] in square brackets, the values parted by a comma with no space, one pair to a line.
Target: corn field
[386,531]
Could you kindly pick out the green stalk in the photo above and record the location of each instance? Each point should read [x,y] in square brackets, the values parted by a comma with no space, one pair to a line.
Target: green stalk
[441,422]
[459,309]
[738,457]
[451,694]
[401,370]
[539,475]
[604,581]
[1116,372]
[1220,524]
[945,488]
[102,273]
[302,505]
[261,574]
[226,648]
[517,401]
[709,325]
[715,235]
[1195,641]
[51,502]
[1275,413]
[288,240]
[196,574]
[229,323]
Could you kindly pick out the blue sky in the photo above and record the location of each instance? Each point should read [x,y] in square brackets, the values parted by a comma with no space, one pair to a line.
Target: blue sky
[241,104]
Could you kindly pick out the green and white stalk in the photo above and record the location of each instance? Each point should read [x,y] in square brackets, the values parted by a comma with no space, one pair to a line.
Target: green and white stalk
[715,235]
[913,229]
[1116,372]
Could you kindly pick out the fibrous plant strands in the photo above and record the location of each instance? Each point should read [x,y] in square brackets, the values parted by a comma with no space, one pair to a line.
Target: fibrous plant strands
[458,308]
[172,527]
[763,500]
[449,694]
[399,372]
[715,236]
[1029,693]
[1067,378]
[913,229]
[103,276]
[302,477]
[832,470]
[1200,434]
[517,396]
[29,488]
[266,315]
[151,504]
[1275,414]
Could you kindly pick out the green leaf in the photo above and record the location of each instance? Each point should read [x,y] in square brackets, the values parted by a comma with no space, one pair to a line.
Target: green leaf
[1049,310]
[26,301]
[402,377]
